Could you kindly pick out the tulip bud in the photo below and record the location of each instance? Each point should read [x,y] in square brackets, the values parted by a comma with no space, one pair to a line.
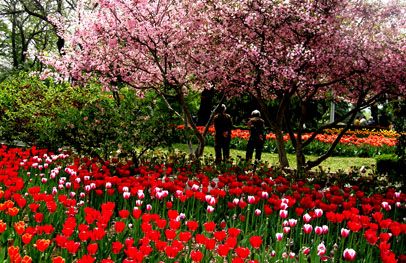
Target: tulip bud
[306,218]
[283,213]
[251,199]
[349,254]
[345,232]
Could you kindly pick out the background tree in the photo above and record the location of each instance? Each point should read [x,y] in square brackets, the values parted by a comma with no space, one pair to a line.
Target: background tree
[26,26]
[141,44]
[336,50]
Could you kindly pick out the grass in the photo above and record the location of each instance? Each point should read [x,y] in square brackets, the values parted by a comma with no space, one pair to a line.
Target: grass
[333,163]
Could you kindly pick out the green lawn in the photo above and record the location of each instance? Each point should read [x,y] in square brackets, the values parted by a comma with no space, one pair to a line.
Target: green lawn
[332,163]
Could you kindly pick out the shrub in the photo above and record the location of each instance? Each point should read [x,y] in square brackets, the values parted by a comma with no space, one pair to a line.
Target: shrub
[54,114]
[30,109]
[391,165]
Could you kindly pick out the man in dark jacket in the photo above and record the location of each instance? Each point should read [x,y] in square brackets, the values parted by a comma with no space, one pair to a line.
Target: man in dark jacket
[223,126]
[257,135]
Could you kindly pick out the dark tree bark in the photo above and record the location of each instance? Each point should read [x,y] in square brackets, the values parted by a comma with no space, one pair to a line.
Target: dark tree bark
[206,105]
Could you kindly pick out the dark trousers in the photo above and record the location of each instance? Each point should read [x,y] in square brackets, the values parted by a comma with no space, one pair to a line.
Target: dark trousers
[256,145]
[222,145]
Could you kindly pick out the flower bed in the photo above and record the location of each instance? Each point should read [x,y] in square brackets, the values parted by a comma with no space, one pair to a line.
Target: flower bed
[350,145]
[57,208]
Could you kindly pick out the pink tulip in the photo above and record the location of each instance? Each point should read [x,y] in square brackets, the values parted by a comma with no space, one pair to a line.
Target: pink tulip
[251,199]
[318,230]
[283,213]
[306,251]
[284,206]
[307,218]
[318,212]
[321,249]
[349,254]
[140,194]
[307,228]
[279,236]
[345,232]
[292,222]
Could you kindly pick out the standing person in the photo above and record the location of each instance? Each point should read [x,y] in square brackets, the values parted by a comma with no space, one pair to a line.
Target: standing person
[257,135]
[223,126]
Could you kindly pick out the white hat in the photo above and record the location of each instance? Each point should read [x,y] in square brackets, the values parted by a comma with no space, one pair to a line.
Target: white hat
[256,113]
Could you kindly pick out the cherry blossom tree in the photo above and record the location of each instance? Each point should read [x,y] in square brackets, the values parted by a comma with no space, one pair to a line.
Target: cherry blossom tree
[141,44]
[321,49]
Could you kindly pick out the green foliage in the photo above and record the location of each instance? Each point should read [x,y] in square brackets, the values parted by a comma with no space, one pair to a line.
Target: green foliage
[29,109]
[55,115]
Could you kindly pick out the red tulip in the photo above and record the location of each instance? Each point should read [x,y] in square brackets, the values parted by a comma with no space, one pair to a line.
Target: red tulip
[43,244]
[371,236]
[231,242]
[26,238]
[210,243]
[161,223]
[192,225]
[58,260]
[185,236]
[242,252]
[170,234]
[174,224]
[210,226]
[92,248]
[196,256]
[119,226]
[256,241]
[171,252]
[116,247]
[161,245]
[220,235]
[223,250]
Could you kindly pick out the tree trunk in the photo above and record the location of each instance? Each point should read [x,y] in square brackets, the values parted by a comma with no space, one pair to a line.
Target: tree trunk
[13,40]
[277,127]
[300,158]
[206,104]
[189,121]
[280,144]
